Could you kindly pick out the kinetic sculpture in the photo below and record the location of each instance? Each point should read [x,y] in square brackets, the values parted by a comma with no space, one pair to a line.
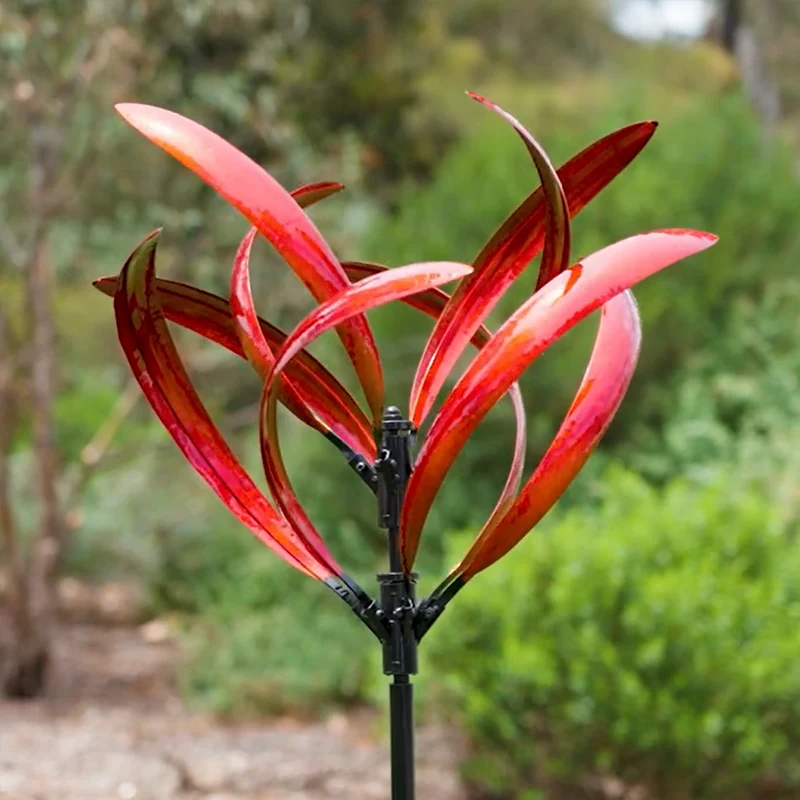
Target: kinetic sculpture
[379,445]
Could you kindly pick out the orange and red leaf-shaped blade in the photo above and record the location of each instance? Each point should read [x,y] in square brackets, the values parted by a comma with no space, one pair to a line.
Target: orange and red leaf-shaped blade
[310,193]
[248,327]
[276,214]
[210,316]
[155,362]
[555,258]
[260,355]
[432,302]
[254,343]
[540,321]
[374,291]
[377,290]
[510,250]
[604,384]
[245,318]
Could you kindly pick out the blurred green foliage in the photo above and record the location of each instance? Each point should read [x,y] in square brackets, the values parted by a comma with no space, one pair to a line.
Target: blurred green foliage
[645,631]
[682,179]
[262,639]
[651,639]
[735,402]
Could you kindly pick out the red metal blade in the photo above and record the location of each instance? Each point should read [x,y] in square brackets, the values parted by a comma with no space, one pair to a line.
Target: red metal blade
[210,316]
[601,391]
[155,362]
[545,317]
[268,206]
[510,250]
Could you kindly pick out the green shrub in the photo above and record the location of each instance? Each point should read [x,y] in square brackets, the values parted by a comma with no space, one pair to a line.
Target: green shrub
[683,178]
[271,641]
[736,401]
[652,638]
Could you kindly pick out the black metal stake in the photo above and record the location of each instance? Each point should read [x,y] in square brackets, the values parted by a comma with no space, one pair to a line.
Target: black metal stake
[396,619]
[397,598]
[401,708]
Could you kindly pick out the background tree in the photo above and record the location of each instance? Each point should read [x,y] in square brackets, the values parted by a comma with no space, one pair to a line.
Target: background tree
[78,189]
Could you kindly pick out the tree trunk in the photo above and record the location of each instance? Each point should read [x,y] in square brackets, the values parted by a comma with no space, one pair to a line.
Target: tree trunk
[36,618]
[731,22]
[735,29]
[35,622]
[24,668]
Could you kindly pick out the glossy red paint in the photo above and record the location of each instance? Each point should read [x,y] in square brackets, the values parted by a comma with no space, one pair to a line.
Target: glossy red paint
[151,353]
[254,343]
[434,365]
[430,302]
[374,291]
[558,238]
[276,214]
[607,377]
[503,259]
[377,290]
[546,316]
[210,316]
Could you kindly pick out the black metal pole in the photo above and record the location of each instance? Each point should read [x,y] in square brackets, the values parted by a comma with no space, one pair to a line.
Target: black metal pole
[401,709]
[397,599]
[396,619]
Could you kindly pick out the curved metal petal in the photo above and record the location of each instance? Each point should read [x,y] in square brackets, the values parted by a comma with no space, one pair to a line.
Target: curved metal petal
[310,193]
[377,290]
[210,316]
[359,298]
[557,238]
[511,249]
[607,377]
[555,259]
[431,302]
[268,206]
[155,362]
[247,323]
[545,317]
[254,343]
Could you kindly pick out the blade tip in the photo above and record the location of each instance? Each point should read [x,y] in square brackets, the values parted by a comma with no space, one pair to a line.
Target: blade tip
[142,116]
[150,242]
[702,239]
[127,110]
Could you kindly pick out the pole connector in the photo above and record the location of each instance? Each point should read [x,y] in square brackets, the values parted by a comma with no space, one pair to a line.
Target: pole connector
[398,603]
[362,605]
[394,465]
[356,462]
[431,608]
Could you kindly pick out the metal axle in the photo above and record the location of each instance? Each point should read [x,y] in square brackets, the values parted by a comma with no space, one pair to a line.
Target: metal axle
[397,598]
[396,619]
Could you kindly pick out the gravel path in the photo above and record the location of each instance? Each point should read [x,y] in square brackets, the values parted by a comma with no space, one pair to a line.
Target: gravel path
[113,728]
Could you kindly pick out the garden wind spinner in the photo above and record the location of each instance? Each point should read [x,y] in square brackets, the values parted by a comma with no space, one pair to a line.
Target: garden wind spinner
[377,443]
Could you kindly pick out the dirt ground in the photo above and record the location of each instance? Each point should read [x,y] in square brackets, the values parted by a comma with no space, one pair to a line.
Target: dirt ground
[114,728]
